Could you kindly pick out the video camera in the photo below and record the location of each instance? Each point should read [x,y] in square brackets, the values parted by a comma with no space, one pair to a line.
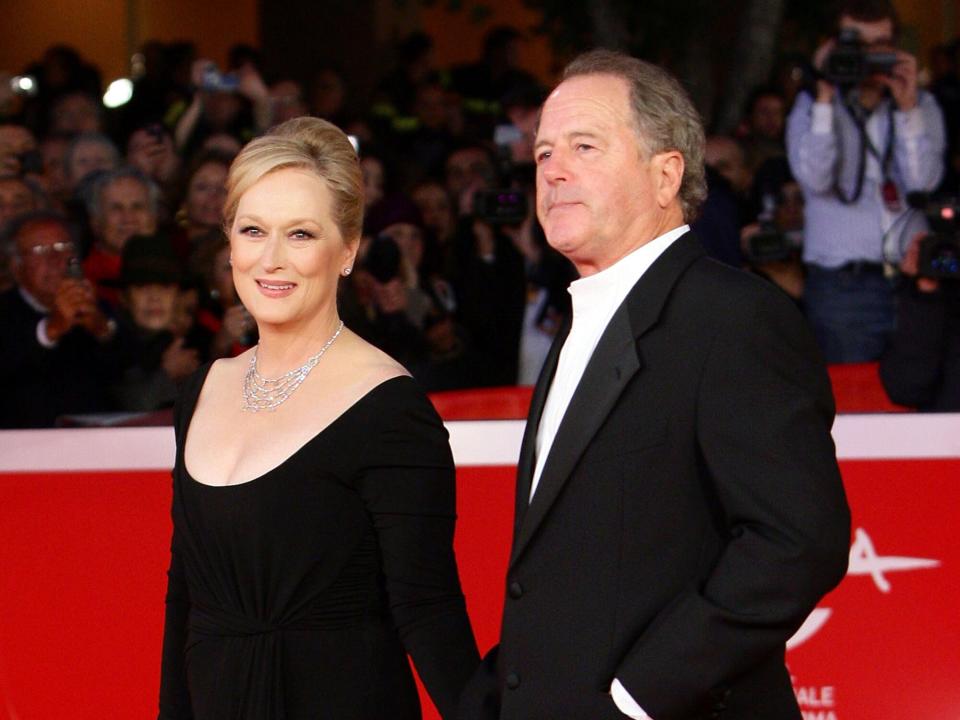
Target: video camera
[940,248]
[505,206]
[851,62]
[772,242]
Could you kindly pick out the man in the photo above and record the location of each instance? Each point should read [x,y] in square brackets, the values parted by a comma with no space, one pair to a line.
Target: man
[124,204]
[54,354]
[87,154]
[16,141]
[679,508]
[857,151]
[17,196]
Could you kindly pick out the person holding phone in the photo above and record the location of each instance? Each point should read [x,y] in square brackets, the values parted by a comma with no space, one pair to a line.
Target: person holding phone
[54,337]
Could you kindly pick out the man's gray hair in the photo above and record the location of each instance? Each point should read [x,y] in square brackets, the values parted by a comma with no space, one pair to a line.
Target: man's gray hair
[103,180]
[664,115]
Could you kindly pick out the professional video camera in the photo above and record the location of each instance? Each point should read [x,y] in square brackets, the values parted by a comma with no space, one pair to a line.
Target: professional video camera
[851,62]
[505,206]
[940,248]
[774,241]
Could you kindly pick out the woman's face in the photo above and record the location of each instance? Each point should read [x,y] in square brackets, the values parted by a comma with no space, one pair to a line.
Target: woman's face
[287,250]
[152,306]
[205,195]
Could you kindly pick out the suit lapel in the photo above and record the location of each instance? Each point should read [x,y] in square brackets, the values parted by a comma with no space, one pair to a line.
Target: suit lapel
[528,446]
[613,364]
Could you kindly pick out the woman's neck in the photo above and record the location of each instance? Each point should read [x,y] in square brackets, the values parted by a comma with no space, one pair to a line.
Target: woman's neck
[285,347]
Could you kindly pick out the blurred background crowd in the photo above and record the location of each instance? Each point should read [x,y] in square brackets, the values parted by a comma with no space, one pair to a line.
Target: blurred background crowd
[114,280]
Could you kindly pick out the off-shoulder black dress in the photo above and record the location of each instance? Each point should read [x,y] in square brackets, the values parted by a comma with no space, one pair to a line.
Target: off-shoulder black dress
[298,595]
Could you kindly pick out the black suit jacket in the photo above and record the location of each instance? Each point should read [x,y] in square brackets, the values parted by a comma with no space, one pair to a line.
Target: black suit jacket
[688,518]
[38,384]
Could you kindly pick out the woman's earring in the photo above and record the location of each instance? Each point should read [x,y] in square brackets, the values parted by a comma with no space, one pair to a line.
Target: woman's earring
[230,261]
[347,271]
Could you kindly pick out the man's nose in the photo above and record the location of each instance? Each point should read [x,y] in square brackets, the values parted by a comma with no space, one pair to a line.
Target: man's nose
[555,169]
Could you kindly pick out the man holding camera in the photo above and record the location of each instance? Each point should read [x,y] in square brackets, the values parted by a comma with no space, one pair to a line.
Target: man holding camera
[863,140]
[54,338]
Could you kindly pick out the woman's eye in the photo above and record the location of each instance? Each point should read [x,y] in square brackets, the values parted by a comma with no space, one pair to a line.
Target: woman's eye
[251,230]
[302,235]
[543,155]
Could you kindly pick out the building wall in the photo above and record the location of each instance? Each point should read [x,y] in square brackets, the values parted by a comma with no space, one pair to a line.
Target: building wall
[106,32]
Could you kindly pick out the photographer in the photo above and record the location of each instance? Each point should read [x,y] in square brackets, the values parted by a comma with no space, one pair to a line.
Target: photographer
[55,355]
[858,144]
[921,367]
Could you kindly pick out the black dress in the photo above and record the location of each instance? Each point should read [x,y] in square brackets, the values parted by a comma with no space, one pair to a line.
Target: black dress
[299,594]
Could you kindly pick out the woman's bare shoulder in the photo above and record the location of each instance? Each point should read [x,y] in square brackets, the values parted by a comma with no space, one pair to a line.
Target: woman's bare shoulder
[369,364]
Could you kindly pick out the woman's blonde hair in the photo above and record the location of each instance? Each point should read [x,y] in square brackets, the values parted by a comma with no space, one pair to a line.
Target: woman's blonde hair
[307,143]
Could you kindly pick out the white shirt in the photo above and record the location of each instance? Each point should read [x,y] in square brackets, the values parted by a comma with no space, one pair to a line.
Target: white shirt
[595,300]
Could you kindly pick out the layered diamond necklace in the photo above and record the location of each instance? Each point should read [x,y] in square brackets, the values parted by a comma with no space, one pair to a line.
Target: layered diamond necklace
[260,393]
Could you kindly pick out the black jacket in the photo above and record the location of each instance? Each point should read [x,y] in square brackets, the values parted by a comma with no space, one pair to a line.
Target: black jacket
[689,517]
[38,384]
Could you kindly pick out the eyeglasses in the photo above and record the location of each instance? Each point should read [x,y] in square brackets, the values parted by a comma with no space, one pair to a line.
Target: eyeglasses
[58,248]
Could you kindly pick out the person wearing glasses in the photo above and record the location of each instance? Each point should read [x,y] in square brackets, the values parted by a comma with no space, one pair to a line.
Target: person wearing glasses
[54,337]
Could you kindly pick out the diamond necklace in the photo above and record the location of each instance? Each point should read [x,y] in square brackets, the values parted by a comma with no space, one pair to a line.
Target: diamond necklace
[260,393]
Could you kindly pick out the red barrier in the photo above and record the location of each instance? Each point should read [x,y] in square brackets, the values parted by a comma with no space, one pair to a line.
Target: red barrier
[83,556]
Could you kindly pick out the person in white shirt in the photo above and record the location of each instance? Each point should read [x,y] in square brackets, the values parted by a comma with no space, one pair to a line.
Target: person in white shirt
[679,506]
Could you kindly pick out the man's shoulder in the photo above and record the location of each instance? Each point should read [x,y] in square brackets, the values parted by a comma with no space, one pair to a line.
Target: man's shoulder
[721,293]
[14,308]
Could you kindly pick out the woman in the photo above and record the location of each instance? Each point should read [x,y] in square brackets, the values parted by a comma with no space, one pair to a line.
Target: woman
[313,504]
[201,210]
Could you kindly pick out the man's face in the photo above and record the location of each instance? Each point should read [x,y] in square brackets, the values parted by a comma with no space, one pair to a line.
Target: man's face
[124,212]
[876,35]
[434,205]
[90,156]
[74,114]
[43,248]
[14,141]
[725,155]
[766,118]
[468,168]
[15,199]
[595,187]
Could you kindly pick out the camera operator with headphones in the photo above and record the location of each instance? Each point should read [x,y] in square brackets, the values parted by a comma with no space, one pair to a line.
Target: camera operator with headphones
[858,144]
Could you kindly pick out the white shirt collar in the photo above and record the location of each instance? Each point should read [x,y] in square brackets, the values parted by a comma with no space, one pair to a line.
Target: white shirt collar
[598,295]
[32,301]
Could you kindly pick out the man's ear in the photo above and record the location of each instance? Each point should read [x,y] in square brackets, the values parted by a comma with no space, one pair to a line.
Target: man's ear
[668,175]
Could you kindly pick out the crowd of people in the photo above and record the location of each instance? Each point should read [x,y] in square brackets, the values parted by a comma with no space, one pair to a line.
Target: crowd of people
[115,277]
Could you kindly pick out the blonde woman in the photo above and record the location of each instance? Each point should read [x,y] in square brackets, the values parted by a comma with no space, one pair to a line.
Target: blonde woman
[313,503]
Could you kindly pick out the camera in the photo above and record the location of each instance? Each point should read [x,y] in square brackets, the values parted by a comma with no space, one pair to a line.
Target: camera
[779,236]
[769,244]
[851,62]
[216,81]
[506,206]
[940,248]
